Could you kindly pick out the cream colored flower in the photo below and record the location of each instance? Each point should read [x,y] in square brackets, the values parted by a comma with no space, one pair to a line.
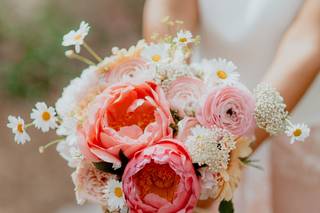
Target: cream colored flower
[156,53]
[76,37]
[183,38]
[230,178]
[114,195]
[298,132]
[44,117]
[18,128]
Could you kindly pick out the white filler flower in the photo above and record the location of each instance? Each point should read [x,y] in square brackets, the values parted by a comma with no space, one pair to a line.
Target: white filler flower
[18,128]
[183,38]
[76,37]
[114,195]
[44,117]
[156,53]
[298,132]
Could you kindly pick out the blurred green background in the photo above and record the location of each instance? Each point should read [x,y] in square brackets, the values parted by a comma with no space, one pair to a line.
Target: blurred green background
[33,68]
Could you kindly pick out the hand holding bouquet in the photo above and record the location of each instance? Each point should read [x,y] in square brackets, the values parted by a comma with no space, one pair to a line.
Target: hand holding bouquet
[148,132]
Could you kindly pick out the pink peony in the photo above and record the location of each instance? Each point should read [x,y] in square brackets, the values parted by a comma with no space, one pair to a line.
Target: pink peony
[184,94]
[124,117]
[161,178]
[230,108]
[90,183]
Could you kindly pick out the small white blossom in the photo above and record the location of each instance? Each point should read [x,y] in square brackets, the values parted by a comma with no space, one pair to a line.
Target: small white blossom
[114,195]
[210,147]
[18,128]
[156,53]
[220,71]
[44,117]
[183,38]
[298,132]
[76,37]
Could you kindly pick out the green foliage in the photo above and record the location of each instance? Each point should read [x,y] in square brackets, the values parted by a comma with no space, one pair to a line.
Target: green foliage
[38,61]
[226,207]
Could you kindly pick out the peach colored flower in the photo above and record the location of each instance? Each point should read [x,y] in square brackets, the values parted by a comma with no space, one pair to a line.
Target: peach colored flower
[185,126]
[127,69]
[124,117]
[230,108]
[161,178]
[184,94]
[90,183]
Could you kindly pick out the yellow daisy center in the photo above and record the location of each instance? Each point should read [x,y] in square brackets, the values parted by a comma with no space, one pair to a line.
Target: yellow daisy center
[297,132]
[156,58]
[77,37]
[20,128]
[183,40]
[46,116]
[222,74]
[118,192]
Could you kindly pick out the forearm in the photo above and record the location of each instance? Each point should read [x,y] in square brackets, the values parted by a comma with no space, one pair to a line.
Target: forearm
[156,10]
[297,61]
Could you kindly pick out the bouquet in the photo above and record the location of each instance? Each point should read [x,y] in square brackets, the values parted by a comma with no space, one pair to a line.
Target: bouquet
[146,131]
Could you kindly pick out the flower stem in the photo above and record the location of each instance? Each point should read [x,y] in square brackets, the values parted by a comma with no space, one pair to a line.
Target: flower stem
[42,148]
[28,125]
[73,55]
[92,52]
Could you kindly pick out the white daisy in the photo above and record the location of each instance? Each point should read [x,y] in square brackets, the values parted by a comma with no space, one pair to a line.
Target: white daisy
[183,38]
[298,132]
[76,37]
[18,128]
[220,71]
[114,195]
[156,53]
[44,117]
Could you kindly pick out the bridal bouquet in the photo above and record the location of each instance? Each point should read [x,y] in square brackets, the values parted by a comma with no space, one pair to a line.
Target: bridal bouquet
[148,132]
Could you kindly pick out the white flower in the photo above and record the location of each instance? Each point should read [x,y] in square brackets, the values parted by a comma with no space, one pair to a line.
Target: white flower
[44,117]
[210,147]
[220,71]
[76,37]
[69,150]
[114,195]
[298,132]
[183,38]
[18,128]
[78,89]
[156,53]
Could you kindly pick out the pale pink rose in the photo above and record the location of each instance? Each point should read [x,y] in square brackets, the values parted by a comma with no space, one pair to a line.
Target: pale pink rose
[127,69]
[184,94]
[124,117]
[89,183]
[230,108]
[185,125]
[161,178]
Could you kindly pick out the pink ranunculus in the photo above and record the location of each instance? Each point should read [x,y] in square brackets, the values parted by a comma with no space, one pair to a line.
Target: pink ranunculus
[161,178]
[90,183]
[230,108]
[185,126]
[127,69]
[124,117]
[184,94]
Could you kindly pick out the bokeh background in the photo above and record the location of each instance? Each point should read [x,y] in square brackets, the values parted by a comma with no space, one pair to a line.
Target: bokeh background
[33,67]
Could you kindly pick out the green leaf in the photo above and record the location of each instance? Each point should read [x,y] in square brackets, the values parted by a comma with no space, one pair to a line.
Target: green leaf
[226,207]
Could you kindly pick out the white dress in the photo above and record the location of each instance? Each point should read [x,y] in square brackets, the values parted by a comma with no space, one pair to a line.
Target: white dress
[248,33]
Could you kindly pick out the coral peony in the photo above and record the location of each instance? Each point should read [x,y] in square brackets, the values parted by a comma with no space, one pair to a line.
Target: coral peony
[229,108]
[124,117]
[161,178]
